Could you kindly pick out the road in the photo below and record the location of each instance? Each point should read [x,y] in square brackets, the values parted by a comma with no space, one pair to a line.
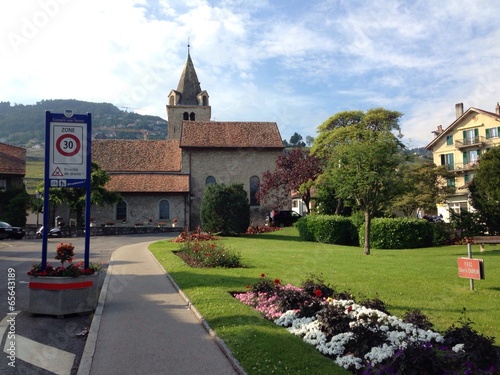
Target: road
[46,345]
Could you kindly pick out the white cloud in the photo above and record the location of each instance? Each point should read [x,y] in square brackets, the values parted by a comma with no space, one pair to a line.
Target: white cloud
[293,62]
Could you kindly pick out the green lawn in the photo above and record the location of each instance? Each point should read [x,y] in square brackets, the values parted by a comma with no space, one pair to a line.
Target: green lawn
[425,279]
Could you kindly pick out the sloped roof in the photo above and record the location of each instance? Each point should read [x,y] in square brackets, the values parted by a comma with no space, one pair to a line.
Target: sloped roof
[137,155]
[148,183]
[216,134]
[12,159]
[189,86]
[449,128]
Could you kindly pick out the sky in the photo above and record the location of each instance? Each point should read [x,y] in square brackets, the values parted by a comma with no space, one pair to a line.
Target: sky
[293,62]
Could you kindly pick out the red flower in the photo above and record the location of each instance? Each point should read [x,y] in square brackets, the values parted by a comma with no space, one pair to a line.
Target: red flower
[277,281]
[318,293]
[349,309]
[248,286]
[262,275]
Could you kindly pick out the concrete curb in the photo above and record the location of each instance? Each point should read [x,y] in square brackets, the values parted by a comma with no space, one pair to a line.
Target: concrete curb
[90,345]
[88,352]
[220,343]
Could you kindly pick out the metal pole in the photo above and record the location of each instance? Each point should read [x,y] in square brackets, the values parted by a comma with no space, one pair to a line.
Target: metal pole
[469,254]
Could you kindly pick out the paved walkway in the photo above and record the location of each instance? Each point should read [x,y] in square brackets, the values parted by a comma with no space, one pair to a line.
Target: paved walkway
[143,325]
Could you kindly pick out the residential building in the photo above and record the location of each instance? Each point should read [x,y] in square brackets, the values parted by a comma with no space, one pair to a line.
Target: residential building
[459,147]
[12,167]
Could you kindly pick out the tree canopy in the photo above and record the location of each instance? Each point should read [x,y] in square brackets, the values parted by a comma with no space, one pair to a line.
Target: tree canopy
[295,171]
[485,190]
[422,188]
[225,209]
[363,159]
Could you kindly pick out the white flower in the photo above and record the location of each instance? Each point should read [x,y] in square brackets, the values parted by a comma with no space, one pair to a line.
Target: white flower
[286,318]
[458,348]
[379,354]
[348,361]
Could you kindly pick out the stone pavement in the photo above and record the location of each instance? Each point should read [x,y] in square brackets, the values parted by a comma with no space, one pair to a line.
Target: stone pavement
[144,324]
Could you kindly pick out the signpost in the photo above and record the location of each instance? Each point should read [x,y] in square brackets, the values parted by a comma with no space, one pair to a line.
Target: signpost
[67,164]
[470,268]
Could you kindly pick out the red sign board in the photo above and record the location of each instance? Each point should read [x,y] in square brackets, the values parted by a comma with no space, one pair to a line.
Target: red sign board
[470,268]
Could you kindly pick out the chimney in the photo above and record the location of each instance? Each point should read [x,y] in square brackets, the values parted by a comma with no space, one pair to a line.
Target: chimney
[438,131]
[459,109]
[497,109]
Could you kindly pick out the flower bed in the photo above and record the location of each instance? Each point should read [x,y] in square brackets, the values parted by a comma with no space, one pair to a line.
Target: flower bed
[366,340]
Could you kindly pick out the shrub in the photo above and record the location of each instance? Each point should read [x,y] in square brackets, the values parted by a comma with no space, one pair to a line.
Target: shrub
[208,254]
[225,209]
[332,229]
[399,233]
[476,350]
[443,234]
[197,235]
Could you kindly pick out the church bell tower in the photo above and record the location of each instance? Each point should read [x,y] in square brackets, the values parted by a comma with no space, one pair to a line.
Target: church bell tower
[188,102]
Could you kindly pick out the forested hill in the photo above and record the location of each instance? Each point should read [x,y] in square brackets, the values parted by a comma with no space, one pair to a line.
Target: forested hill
[24,125]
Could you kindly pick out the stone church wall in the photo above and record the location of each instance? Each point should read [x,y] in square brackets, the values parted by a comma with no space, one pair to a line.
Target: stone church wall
[229,166]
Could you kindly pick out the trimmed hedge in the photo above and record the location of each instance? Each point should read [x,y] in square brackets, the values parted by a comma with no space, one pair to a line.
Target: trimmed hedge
[328,229]
[399,233]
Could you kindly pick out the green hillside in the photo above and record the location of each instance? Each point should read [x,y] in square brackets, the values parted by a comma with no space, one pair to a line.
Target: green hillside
[24,125]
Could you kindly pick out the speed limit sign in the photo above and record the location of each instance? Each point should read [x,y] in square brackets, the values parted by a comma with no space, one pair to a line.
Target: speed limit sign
[69,149]
[68,144]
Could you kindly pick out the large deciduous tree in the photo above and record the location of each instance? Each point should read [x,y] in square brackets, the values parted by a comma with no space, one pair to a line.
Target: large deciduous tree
[295,171]
[423,187]
[363,159]
[485,190]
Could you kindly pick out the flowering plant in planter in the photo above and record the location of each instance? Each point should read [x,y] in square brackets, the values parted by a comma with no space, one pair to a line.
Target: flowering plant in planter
[65,253]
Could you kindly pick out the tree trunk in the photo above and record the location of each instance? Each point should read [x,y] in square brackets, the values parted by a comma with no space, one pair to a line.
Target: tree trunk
[368,220]
[340,206]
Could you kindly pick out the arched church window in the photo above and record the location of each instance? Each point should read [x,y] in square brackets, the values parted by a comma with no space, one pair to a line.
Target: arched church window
[185,116]
[121,211]
[254,189]
[191,116]
[210,180]
[164,209]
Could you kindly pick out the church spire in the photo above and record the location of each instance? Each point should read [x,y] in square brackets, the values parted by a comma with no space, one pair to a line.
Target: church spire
[189,86]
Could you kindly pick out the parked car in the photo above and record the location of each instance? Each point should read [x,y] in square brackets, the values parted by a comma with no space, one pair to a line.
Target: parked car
[8,231]
[282,218]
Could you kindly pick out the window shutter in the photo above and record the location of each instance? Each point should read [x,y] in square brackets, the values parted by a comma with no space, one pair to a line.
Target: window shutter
[465,158]
[476,132]
[487,133]
[464,133]
[442,160]
[478,152]
[466,178]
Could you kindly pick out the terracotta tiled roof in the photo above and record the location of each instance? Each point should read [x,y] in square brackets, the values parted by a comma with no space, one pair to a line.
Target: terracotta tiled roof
[12,159]
[137,155]
[148,183]
[230,134]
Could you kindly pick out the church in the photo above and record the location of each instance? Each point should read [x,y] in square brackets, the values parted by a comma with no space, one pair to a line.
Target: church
[162,181]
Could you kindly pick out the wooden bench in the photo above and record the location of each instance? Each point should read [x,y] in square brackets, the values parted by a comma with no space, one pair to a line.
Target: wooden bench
[481,240]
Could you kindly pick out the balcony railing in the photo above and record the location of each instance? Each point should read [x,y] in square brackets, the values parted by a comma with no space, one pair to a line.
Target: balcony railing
[462,166]
[470,142]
